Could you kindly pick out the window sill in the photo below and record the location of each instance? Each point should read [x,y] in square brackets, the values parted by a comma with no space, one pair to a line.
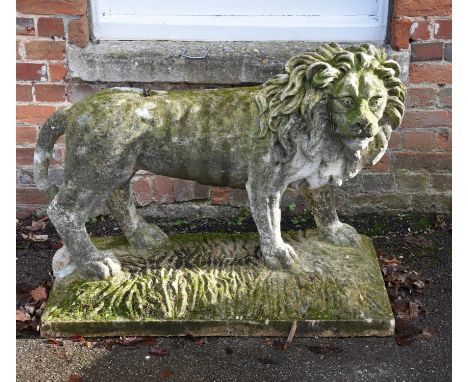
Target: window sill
[232,62]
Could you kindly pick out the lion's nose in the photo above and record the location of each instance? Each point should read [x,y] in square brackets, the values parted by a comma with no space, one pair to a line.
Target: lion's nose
[363,128]
[367,131]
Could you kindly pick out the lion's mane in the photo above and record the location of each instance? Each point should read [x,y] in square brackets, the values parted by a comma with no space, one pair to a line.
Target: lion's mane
[308,79]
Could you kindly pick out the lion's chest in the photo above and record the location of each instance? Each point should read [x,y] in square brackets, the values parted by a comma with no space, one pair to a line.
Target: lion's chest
[317,171]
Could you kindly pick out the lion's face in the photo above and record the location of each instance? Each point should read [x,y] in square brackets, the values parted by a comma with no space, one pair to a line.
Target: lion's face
[357,103]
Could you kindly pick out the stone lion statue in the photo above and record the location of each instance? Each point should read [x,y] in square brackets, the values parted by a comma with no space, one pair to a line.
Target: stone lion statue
[317,124]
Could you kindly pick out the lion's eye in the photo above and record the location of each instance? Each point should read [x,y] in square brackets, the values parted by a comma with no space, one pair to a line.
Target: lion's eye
[375,101]
[347,101]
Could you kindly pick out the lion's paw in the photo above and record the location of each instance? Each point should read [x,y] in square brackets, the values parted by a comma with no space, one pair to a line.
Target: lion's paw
[282,255]
[99,266]
[340,234]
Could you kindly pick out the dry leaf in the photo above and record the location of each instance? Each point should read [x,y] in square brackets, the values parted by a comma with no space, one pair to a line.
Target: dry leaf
[40,237]
[75,378]
[39,293]
[55,341]
[166,373]
[38,225]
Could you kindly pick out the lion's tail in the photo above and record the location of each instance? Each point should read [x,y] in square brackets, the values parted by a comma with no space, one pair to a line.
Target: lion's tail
[50,132]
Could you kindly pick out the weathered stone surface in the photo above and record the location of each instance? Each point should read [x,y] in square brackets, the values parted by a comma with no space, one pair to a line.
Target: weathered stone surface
[161,61]
[330,114]
[216,284]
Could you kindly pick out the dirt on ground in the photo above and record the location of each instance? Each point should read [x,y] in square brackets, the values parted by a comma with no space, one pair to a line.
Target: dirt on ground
[414,252]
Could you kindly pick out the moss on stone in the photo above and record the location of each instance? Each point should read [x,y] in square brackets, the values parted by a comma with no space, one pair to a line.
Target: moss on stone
[219,277]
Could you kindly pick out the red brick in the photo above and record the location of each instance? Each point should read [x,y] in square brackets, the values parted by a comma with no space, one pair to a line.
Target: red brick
[420,31]
[423,8]
[24,155]
[382,165]
[52,7]
[445,97]
[431,73]
[184,190]
[238,198]
[441,182]
[142,191]
[24,93]
[415,118]
[78,31]
[24,212]
[201,191]
[25,26]
[219,195]
[50,26]
[57,72]
[422,160]
[31,195]
[420,140]
[427,51]
[395,140]
[163,189]
[443,29]
[444,140]
[26,135]
[400,33]
[421,97]
[30,72]
[33,114]
[50,50]
[50,93]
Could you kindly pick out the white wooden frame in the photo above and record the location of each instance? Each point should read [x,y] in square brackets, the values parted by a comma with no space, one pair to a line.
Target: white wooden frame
[240,20]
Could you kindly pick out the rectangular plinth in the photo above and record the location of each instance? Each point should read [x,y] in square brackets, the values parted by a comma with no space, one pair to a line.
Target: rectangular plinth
[214,284]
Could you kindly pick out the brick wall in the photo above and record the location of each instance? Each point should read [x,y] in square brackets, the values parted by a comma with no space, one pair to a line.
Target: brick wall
[414,174]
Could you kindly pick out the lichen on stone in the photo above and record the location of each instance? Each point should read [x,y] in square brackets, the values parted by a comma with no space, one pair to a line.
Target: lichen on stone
[219,277]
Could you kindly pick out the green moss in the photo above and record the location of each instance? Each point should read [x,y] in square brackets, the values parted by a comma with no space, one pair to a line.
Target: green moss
[219,277]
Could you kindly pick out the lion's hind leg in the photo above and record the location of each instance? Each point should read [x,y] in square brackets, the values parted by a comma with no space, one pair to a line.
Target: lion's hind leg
[68,212]
[138,232]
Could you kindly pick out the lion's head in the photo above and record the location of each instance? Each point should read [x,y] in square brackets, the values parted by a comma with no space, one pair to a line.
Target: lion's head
[358,85]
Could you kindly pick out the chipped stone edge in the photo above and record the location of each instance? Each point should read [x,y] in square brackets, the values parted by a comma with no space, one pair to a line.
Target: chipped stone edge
[228,63]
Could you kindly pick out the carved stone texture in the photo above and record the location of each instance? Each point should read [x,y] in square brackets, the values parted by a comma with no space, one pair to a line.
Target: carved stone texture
[319,123]
[217,284]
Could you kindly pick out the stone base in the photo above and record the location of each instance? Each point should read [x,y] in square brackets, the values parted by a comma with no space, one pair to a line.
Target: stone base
[215,284]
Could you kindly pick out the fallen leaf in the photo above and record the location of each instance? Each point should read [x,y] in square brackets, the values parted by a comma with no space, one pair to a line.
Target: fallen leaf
[160,352]
[166,373]
[38,225]
[55,341]
[75,378]
[324,349]
[39,293]
[280,345]
[21,315]
[40,237]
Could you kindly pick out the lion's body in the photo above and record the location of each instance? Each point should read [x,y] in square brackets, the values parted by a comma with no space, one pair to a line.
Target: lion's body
[314,127]
[201,135]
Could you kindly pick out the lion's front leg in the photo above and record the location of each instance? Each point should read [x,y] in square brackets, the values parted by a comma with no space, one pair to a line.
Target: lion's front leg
[322,204]
[266,212]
